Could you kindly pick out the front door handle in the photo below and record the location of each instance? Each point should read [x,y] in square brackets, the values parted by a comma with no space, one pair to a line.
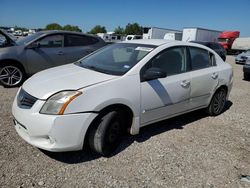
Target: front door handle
[60,53]
[185,83]
[214,75]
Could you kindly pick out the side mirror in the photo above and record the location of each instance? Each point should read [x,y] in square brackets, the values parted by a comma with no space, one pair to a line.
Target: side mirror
[153,73]
[33,45]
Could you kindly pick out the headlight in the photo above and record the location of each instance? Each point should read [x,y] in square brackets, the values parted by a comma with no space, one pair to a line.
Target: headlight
[57,103]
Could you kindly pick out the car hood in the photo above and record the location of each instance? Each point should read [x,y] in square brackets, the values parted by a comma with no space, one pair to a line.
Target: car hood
[67,77]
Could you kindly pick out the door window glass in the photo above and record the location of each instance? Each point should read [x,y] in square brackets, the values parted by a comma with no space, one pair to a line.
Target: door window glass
[172,61]
[52,41]
[212,59]
[200,58]
[80,40]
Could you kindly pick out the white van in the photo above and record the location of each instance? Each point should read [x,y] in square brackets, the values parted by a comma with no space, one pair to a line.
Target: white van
[133,37]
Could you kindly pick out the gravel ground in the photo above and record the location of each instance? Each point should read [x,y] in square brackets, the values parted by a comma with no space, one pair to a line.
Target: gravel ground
[192,150]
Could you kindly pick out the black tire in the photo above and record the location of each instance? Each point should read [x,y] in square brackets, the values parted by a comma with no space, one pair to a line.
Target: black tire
[11,75]
[217,103]
[246,76]
[106,134]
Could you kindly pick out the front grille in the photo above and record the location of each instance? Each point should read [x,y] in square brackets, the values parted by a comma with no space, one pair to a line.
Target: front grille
[25,100]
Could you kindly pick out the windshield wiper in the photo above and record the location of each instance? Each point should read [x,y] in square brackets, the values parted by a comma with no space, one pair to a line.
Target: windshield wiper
[91,67]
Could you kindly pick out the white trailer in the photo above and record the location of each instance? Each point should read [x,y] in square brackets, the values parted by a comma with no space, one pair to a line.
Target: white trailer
[173,36]
[156,33]
[241,44]
[200,34]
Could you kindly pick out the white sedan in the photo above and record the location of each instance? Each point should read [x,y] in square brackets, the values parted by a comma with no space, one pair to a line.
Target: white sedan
[119,88]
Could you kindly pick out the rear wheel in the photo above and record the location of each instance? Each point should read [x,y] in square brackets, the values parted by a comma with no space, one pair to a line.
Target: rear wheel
[11,75]
[106,134]
[217,103]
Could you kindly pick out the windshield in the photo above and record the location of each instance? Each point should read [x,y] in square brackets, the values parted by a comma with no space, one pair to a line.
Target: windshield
[223,40]
[28,39]
[2,39]
[3,32]
[116,59]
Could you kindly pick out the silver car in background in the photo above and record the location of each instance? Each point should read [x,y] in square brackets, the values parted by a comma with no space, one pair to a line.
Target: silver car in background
[42,50]
[242,57]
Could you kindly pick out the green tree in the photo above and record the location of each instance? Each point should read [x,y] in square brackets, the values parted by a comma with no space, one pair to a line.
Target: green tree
[119,30]
[53,26]
[71,28]
[133,29]
[98,29]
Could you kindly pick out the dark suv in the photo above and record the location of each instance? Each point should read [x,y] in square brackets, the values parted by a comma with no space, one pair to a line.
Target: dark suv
[217,47]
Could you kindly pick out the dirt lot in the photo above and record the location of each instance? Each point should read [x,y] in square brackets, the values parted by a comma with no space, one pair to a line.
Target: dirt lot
[188,151]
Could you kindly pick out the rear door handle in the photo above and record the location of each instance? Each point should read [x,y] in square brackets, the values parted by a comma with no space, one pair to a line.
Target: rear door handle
[185,83]
[214,75]
[60,53]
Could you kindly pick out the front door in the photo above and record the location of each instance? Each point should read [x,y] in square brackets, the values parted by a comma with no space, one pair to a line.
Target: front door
[168,96]
[49,53]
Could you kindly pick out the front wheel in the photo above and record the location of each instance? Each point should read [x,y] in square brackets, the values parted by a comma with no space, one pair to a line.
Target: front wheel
[11,75]
[106,134]
[217,103]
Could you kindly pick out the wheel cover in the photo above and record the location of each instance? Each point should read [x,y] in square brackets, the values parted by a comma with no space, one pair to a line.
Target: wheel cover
[10,75]
[219,101]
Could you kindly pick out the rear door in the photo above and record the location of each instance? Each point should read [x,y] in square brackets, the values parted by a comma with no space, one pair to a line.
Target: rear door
[204,76]
[78,46]
[168,96]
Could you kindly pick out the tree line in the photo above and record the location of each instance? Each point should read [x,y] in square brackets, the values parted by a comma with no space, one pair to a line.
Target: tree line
[130,29]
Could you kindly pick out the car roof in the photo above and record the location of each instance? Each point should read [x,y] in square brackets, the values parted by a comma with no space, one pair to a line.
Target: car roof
[204,42]
[199,42]
[64,32]
[155,42]
[159,42]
